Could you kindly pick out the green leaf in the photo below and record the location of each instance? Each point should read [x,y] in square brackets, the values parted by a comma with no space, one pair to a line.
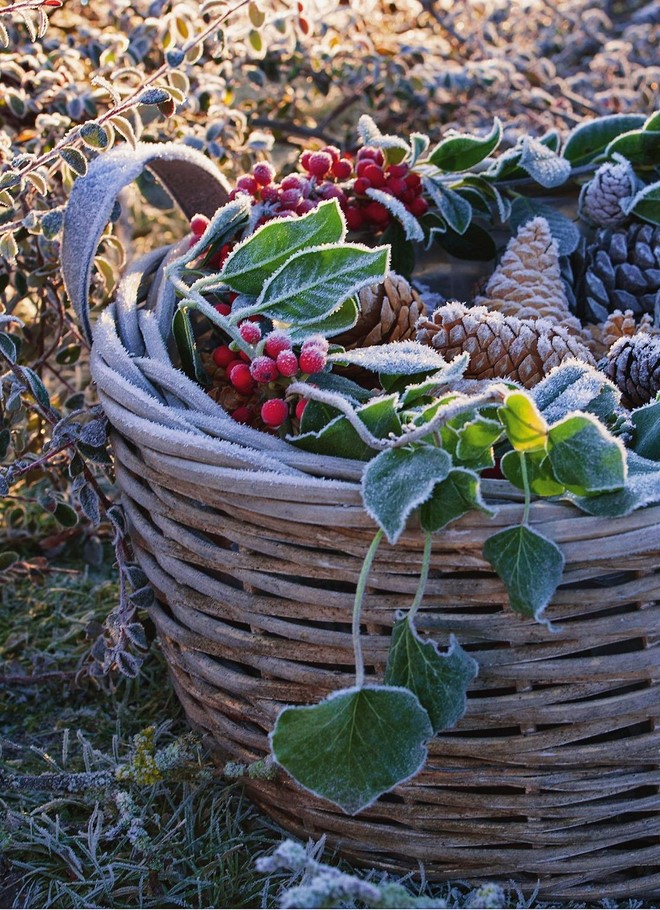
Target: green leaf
[253,262]
[8,347]
[463,151]
[186,344]
[340,321]
[562,228]
[457,494]
[642,489]
[476,439]
[530,566]
[65,515]
[75,159]
[400,358]
[475,244]
[574,386]
[542,164]
[403,251]
[540,478]
[341,439]
[646,435]
[37,387]
[354,745]
[456,210]
[428,388]
[640,147]
[489,194]
[585,457]
[412,229]
[7,559]
[589,139]
[394,148]
[439,681]
[646,203]
[395,482]
[314,283]
[154,95]
[526,427]
[653,122]
[94,135]
[333,382]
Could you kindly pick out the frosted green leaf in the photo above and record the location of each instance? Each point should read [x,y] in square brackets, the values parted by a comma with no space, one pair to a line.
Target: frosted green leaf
[476,439]
[530,565]
[589,139]
[439,681]
[314,283]
[94,135]
[642,489]
[544,165]
[154,96]
[456,210]
[395,482]
[461,152]
[646,436]
[334,435]
[341,320]
[563,230]
[353,746]
[402,358]
[526,428]
[253,261]
[457,494]
[575,386]
[540,478]
[645,204]
[585,457]
[75,159]
[412,229]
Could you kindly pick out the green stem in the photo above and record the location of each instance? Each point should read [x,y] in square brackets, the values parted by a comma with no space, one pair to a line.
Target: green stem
[357,608]
[525,480]
[423,577]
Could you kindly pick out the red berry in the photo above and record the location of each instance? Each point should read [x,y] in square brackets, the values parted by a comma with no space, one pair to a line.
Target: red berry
[290,198]
[331,191]
[375,175]
[223,356]
[294,182]
[312,359]
[274,412]
[413,180]
[316,341]
[243,414]
[342,169]
[223,308]
[240,377]
[362,166]
[198,224]
[304,159]
[277,342]
[287,363]
[247,183]
[418,207]
[319,164]
[264,369]
[397,186]
[304,206]
[372,153]
[300,408]
[333,151]
[377,212]
[270,194]
[361,186]
[250,332]
[263,173]
[398,170]
[354,218]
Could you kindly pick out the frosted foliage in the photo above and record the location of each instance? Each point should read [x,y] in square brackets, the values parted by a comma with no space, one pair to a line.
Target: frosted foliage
[572,386]
[403,358]
[544,165]
[411,226]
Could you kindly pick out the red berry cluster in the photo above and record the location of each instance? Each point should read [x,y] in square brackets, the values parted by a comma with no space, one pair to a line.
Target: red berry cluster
[263,374]
[331,174]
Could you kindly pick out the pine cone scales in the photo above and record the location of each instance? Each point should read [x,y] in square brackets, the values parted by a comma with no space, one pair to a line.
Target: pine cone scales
[633,364]
[601,200]
[389,311]
[500,346]
[622,272]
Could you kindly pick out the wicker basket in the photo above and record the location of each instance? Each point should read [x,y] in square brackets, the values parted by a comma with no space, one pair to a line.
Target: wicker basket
[254,550]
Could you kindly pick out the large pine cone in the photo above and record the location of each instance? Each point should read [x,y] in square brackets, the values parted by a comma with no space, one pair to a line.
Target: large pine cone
[633,364]
[500,346]
[389,311]
[618,325]
[621,272]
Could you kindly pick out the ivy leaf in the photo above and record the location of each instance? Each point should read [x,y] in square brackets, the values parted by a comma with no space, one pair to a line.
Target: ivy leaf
[439,681]
[646,435]
[447,376]
[354,745]
[463,151]
[526,427]
[252,262]
[457,494]
[530,566]
[475,441]
[585,457]
[338,437]
[314,283]
[540,478]
[642,489]
[398,480]
[574,386]
[589,139]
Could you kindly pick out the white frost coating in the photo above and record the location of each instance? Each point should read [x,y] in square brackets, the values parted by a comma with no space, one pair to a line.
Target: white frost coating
[571,386]
[402,357]
[115,354]
[411,226]
[162,295]
[156,350]
[91,201]
[544,165]
[126,300]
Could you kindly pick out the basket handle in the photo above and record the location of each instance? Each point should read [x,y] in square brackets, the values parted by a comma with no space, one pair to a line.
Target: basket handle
[192,180]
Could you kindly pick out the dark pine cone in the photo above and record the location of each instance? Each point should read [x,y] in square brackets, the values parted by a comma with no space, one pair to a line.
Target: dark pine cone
[621,272]
[633,364]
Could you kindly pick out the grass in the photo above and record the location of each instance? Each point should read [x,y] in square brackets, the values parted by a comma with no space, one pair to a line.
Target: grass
[106,799]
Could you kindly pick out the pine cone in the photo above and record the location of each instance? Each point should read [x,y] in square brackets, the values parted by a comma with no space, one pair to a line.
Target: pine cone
[500,346]
[389,311]
[621,272]
[601,198]
[633,364]
[527,283]
[618,325]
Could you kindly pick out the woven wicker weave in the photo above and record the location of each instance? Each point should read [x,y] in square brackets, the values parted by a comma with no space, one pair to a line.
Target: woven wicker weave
[254,550]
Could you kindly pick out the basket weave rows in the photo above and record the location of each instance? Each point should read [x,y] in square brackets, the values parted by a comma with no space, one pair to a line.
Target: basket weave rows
[254,549]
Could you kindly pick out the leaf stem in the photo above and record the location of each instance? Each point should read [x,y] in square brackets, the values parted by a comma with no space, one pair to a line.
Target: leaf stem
[357,607]
[525,480]
[423,577]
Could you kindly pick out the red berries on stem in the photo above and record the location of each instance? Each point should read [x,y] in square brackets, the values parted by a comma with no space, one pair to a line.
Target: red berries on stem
[274,412]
